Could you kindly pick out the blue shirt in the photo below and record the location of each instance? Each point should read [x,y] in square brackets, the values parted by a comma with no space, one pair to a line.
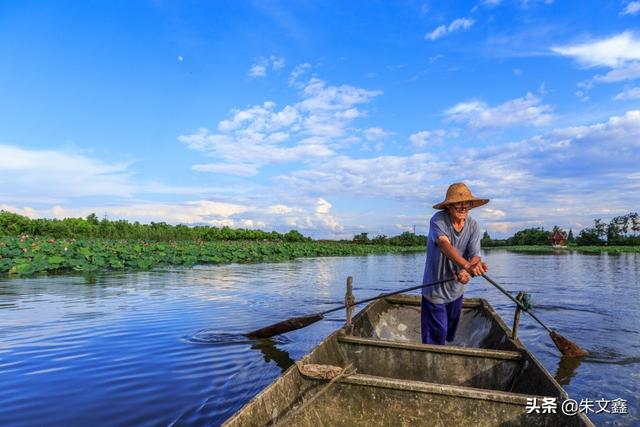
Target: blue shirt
[438,266]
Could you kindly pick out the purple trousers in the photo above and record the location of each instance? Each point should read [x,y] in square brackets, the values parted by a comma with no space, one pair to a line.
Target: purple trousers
[440,321]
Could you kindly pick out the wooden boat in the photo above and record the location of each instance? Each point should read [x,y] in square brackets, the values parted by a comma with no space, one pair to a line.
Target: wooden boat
[485,377]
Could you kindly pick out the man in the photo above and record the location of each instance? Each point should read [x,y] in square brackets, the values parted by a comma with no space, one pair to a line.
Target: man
[453,250]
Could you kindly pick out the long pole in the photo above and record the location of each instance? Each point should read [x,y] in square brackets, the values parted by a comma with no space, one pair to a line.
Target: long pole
[566,346]
[388,295]
[300,322]
[522,307]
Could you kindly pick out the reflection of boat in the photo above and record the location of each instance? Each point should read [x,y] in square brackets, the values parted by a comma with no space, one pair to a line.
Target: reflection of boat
[483,378]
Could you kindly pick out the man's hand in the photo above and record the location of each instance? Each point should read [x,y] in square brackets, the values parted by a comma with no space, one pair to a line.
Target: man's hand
[477,268]
[463,277]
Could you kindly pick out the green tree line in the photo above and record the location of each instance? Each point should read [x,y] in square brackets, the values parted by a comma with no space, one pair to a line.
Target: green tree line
[622,230]
[405,239]
[91,227]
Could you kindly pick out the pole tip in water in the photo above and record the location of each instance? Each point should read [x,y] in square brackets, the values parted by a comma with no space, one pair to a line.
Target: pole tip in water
[284,326]
[567,347]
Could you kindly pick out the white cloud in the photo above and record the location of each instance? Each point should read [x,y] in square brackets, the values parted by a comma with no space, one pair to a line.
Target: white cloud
[612,52]
[620,53]
[582,96]
[627,72]
[440,31]
[375,134]
[25,210]
[494,213]
[324,216]
[227,168]
[628,94]
[524,4]
[59,174]
[460,24]
[526,111]
[323,207]
[277,63]
[298,71]
[542,90]
[263,134]
[425,138]
[259,69]
[384,176]
[632,8]
[537,181]
[280,210]
[190,212]
[491,3]
[563,176]
[204,211]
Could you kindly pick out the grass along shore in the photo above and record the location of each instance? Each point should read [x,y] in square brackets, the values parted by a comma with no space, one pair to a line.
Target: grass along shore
[24,255]
[583,249]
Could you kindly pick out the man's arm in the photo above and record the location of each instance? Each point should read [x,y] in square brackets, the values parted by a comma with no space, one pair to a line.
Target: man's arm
[474,266]
[452,253]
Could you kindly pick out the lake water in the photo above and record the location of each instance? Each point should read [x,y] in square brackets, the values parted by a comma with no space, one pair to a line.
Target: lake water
[164,347]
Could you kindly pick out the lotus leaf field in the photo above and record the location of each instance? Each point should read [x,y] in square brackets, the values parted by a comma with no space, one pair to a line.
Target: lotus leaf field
[25,255]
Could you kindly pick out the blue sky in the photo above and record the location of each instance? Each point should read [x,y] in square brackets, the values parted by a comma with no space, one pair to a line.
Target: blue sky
[332,118]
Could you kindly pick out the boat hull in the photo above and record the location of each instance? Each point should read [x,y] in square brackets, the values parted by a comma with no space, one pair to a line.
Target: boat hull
[483,378]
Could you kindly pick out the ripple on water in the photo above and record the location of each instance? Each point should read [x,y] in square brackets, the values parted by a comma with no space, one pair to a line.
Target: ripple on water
[207,336]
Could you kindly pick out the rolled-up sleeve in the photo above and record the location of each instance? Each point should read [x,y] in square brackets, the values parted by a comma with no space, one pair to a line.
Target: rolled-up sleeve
[437,228]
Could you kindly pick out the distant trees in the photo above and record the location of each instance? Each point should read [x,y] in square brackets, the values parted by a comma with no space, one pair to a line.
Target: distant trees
[622,230]
[361,239]
[91,227]
[487,241]
[380,240]
[294,236]
[529,236]
[408,239]
[589,237]
[405,239]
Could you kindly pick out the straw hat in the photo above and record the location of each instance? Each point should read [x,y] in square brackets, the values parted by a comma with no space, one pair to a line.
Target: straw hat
[459,192]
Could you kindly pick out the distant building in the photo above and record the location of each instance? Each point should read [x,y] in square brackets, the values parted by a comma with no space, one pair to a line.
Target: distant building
[558,239]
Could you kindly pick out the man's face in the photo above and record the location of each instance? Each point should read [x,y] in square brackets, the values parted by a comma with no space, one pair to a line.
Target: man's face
[459,211]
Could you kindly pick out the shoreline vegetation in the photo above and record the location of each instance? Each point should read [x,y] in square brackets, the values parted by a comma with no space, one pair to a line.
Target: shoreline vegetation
[89,245]
[25,255]
[548,249]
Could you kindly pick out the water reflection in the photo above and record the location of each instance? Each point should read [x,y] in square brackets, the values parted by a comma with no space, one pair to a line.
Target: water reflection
[271,352]
[567,368]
